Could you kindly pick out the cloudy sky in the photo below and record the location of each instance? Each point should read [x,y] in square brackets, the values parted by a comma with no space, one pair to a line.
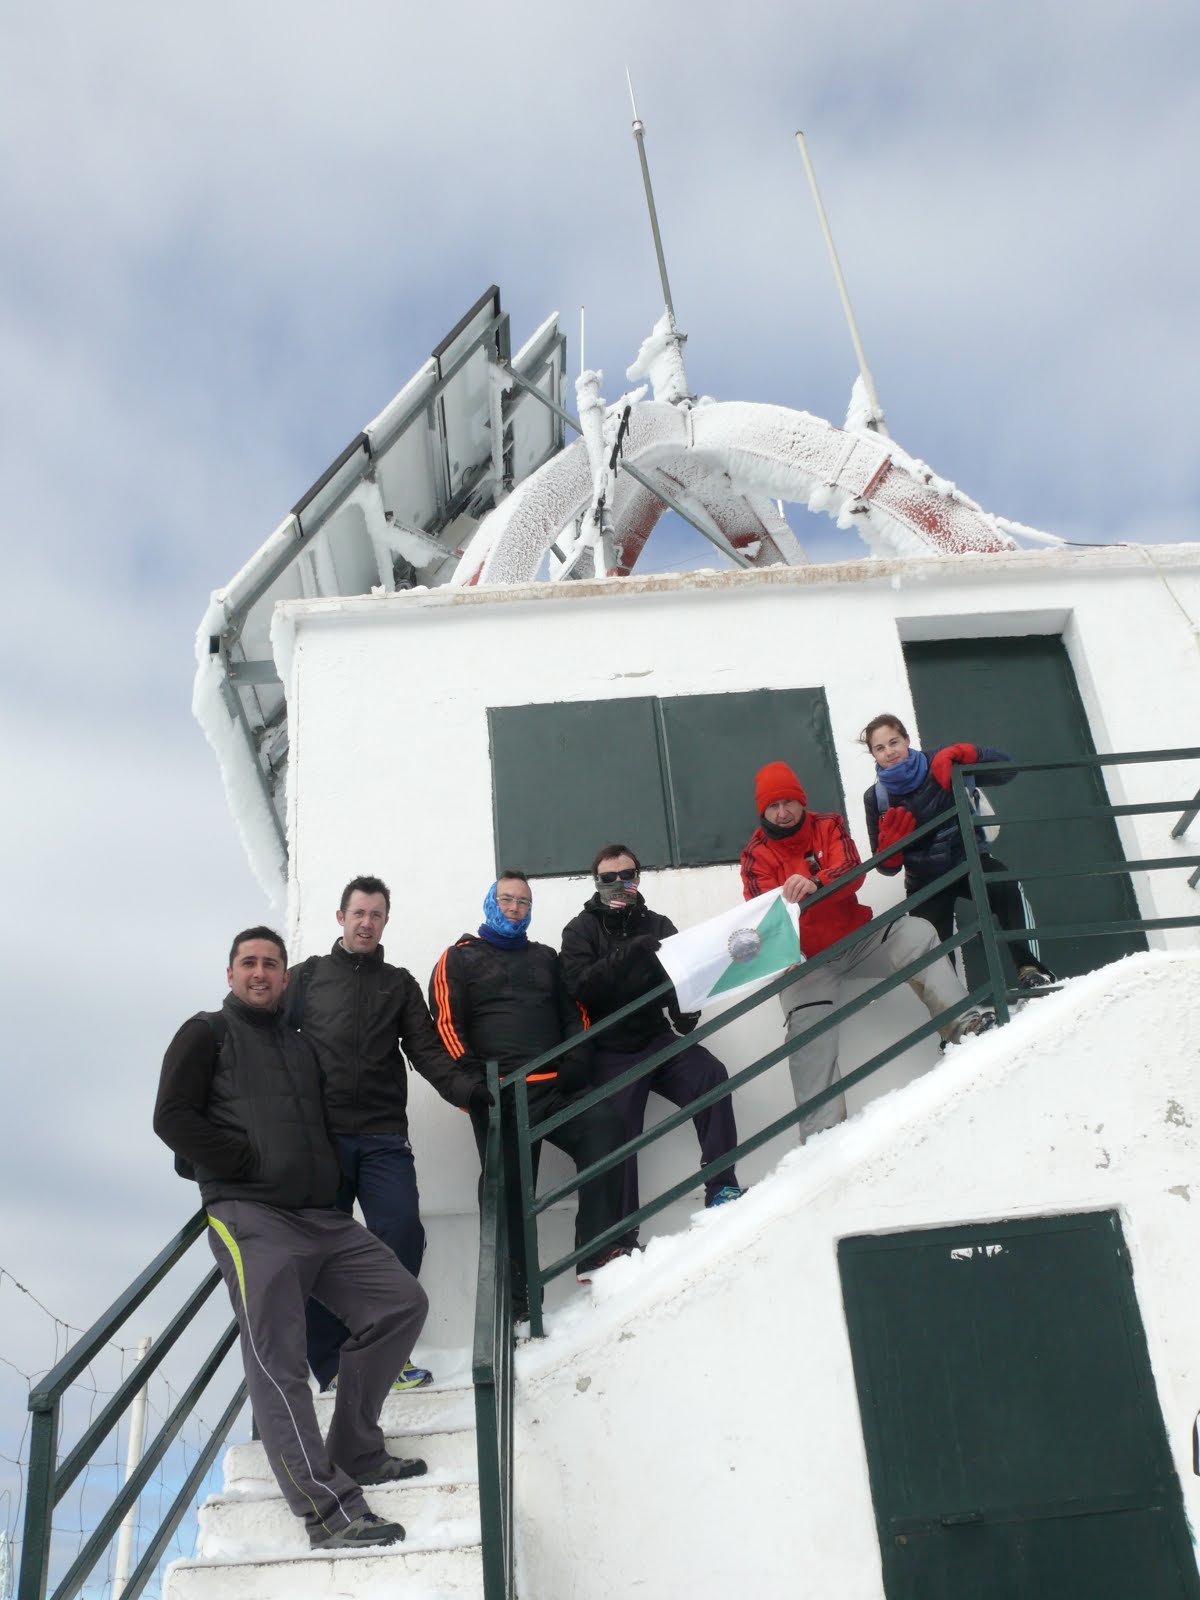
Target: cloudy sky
[232,232]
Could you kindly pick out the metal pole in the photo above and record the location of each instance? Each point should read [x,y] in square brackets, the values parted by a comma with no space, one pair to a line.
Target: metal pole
[877,422]
[133,1456]
[638,134]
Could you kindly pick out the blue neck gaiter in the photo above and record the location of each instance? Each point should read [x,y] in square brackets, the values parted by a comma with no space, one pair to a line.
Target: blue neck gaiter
[906,776]
[497,929]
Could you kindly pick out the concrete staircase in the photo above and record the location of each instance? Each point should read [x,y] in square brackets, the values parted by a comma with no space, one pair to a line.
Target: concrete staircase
[251,1547]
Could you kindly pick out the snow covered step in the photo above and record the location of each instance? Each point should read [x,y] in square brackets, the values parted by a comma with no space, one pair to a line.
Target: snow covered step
[446,1452]
[434,1409]
[443,1566]
[255,1524]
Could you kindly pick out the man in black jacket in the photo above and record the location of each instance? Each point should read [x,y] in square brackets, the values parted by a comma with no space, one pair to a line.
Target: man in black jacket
[359,1012]
[240,1102]
[608,961]
[499,996]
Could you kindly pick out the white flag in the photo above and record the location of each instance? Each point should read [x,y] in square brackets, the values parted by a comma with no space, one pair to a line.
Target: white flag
[734,953]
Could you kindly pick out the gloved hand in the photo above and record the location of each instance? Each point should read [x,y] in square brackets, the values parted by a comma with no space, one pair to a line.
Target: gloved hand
[480,1098]
[945,759]
[686,1021]
[896,823]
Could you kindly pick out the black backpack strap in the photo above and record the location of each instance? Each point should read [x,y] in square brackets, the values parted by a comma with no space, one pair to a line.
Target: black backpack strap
[297,989]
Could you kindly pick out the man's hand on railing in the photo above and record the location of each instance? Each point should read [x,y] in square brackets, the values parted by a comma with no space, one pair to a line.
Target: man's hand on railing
[797,887]
[953,754]
[480,1098]
[896,823]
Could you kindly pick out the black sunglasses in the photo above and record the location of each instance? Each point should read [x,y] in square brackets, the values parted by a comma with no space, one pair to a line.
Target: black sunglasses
[626,875]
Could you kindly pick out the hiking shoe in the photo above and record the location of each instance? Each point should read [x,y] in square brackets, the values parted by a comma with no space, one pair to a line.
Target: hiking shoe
[393,1470]
[357,1535]
[970,1022]
[726,1193]
[412,1378]
[586,1271]
[1035,978]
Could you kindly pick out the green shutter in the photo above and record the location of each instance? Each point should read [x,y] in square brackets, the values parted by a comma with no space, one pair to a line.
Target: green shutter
[674,778]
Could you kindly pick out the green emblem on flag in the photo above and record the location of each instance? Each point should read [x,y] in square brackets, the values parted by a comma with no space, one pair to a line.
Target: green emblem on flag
[770,947]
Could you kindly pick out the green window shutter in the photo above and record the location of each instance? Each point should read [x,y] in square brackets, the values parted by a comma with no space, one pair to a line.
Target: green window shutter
[571,776]
[714,745]
[674,778]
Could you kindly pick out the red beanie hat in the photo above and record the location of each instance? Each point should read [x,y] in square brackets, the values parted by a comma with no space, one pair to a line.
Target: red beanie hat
[777,781]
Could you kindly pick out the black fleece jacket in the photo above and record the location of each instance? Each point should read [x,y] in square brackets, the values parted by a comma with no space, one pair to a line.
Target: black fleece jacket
[508,1005]
[608,960]
[359,1012]
[240,1102]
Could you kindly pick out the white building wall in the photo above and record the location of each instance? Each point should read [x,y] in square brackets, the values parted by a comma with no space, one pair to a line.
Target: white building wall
[388,699]
[698,1418]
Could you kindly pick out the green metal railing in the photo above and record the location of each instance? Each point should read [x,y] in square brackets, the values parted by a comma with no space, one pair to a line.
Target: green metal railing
[491,1366]
[49,1478]
[512,1100]
[993,991]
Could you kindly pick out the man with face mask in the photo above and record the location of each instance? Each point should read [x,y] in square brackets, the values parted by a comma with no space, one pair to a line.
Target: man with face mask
[801,851]
[608,960]
[497,995]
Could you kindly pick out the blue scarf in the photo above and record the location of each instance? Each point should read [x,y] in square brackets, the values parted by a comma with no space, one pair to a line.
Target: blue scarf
[497,929]
[906,776]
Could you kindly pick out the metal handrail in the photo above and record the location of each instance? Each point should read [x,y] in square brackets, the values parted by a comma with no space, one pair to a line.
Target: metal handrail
[994,991]
[491,1365]
[49,1478]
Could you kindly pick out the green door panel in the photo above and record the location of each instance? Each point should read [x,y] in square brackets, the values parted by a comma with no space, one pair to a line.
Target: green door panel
[1011,1422]
[1020,695]
[570,777]
[715,743]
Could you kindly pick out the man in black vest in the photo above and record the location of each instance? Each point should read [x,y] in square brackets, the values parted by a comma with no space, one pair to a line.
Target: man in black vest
[359,1011]
[240,1102]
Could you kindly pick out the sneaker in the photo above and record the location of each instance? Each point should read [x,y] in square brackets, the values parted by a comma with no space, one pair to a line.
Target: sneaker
[726,1193]
[357,1535]
[1035,978]
[971,1022]
[392,1470]
[586,1272]
[412,1378]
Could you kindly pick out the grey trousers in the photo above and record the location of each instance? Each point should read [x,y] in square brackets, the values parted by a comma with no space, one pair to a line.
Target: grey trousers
[272,1262]
[814,1066]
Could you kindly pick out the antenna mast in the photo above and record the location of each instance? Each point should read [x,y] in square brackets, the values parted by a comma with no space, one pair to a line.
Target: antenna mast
[876,421]
[638,133]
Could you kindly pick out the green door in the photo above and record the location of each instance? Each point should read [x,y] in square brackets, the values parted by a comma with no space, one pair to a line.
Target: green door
[1020,695]
[1014,1439]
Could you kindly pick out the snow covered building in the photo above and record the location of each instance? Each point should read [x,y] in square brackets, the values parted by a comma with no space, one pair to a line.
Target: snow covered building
[445,661]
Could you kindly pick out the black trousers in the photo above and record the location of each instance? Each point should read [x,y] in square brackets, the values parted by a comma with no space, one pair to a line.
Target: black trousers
[587,1137]
[1004,900]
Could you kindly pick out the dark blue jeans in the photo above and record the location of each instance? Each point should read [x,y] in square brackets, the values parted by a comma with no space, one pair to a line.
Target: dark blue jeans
[379,1172]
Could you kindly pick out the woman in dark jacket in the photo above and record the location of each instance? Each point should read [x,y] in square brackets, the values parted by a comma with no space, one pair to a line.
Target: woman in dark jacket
[911,788]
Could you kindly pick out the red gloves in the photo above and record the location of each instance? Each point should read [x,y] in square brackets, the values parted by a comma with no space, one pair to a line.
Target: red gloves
[895,824]
[945,759]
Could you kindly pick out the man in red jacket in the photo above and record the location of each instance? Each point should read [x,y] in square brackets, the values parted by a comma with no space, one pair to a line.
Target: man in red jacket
[802,851]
